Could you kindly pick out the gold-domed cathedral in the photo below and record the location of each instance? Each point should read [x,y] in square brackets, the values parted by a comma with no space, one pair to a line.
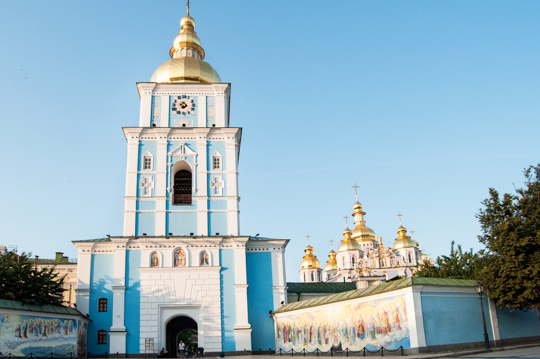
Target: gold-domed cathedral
[310,268]
[362,258]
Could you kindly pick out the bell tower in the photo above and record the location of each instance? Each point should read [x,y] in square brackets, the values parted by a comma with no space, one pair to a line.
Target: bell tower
[182,162]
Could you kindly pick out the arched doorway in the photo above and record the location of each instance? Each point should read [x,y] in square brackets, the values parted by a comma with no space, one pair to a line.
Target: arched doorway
[174,327]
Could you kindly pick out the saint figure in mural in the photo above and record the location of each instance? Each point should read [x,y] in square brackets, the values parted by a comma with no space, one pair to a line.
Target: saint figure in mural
[205,259]
[179,258]
[154,260]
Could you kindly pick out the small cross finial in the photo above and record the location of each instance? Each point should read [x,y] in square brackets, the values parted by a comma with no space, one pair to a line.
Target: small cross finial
[308,236]
[346,217]
[355,190]
[331,245]
[412,232]
[400,215]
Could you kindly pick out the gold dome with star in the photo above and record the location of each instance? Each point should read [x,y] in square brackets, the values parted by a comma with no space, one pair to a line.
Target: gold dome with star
[187,55]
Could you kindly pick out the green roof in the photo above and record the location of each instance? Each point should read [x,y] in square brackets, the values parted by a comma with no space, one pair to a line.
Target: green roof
[94,240]
[56,309]
[332,287]
[376,289]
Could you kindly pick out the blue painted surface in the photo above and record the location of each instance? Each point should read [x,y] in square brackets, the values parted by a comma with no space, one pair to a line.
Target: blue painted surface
[260,300]
[147,145]
[518,324]
[228,299]
[443,326]
[146,205]
[182,224]
[193,117]
[145,223]
[214,146]
[217,204]
[183,207]
[217,223]
[102,267]
[132,301]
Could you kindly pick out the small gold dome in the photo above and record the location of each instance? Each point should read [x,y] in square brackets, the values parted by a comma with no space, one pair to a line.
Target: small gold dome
[187,55]
[361,233]
[403,241]
[348,244]
[310,260]
[332,262]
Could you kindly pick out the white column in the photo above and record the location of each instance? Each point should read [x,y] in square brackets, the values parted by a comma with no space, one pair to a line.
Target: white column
[84,269]
[278,280]
[232,187]
[416,318]
[130,201]
[161,181]
[494,320]
[202,180]
[119,285]
[164,116]
[145,92]
[242,329]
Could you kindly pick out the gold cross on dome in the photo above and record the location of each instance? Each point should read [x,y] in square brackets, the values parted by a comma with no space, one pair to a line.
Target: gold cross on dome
[400,215]
[412,232]
[331,245]
[308,236]
[346,217]
[355,190]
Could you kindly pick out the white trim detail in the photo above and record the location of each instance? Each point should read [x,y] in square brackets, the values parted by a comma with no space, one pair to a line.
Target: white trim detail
[217,161]
[146,184]
[183,151]
[150,156]
[216,186]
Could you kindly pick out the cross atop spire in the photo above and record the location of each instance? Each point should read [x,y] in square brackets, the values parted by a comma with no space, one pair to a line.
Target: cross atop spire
[412,232]
[308,236]
[187,7]
[400,215]
[331,245]
[355,190]
[346,217]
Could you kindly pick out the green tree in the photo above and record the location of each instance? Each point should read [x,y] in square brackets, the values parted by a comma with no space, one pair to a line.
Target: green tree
[458,265]
[511,234]
[21,280]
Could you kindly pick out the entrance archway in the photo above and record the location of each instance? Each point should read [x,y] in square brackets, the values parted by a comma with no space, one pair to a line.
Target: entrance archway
[174,327]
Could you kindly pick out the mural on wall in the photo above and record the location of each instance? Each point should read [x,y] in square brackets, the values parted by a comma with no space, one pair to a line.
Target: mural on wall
[372,324]
[25,334]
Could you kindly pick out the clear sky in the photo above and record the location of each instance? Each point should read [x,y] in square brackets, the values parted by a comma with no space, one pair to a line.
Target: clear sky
[423,104]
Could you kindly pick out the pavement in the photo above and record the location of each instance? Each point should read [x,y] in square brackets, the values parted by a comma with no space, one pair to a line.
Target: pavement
[514,352]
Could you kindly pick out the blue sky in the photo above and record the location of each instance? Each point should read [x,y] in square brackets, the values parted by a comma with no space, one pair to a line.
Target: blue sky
[424,104]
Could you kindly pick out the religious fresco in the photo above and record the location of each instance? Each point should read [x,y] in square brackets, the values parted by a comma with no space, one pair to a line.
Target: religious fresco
[372,324]
[21,335]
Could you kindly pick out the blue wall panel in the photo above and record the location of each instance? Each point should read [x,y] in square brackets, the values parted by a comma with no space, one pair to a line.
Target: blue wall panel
[182,224]
[217,204]
[260,299]
[102,268]
[518,324]
[217,223]
[228,299]
[133,300]
[146,205]
[443,326]
[145,223]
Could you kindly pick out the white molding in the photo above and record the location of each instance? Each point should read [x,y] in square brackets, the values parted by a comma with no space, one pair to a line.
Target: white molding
[180,269]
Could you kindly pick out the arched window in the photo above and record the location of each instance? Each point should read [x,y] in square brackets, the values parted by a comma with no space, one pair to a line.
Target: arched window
[148,161]
[182,187]
[180,258]
[102,305]
[343,262]
[204,259]
[304,277]
[353,260]
[216,161]
[154,260]
[102,337]
[410,258]
[312,279]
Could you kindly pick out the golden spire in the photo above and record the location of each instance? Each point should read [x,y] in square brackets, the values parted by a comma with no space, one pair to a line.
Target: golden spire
[403,240]
[347,243]
[187,55]
[331,264]
[361,232]
[310,260]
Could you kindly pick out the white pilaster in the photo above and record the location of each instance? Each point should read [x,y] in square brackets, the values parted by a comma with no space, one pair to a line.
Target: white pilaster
[494,320]
[118,287]
[242,329]
[117,342]
[130,204]
[145,92]
[202,177]
[232,186]
[84,269]
[164,116]
[415,316]
[161,181]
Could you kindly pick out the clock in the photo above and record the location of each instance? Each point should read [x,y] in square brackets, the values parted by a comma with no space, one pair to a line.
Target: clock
[183,105]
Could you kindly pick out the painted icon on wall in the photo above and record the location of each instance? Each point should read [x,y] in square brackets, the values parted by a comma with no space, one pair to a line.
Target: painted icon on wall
[179,258]
[154,260]
[205,259]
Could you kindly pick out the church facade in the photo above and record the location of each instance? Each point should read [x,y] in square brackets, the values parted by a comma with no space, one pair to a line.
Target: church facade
[181,262]
[362,258]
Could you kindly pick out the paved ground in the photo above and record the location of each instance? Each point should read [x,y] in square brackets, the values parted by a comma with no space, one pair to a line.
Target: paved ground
[533,352]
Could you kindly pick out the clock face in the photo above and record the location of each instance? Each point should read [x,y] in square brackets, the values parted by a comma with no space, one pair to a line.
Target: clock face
[183,105]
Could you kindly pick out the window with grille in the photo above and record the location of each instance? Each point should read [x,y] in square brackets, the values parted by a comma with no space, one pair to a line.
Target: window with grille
[102,337]
[147,162]
[182,188]
[217,163]
[102,305]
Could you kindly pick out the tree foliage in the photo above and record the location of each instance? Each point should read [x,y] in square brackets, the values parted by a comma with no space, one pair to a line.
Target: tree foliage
[458,265]
[511,234]
[21,280]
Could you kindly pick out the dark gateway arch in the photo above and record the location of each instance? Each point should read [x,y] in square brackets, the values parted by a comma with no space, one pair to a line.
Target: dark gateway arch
[174,327]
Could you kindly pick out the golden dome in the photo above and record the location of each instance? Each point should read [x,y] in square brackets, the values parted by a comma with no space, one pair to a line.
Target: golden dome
[187,55]
[403,241]
[310,261]
[361,233]
[332,262]
[348,244]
